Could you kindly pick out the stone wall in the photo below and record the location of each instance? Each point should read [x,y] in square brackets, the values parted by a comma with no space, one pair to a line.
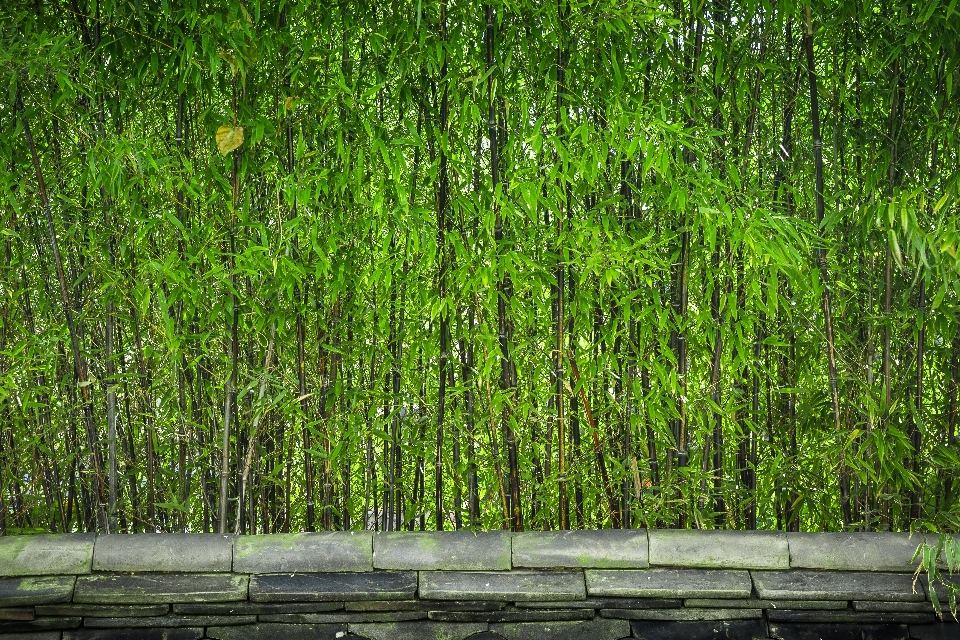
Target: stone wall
[596,585]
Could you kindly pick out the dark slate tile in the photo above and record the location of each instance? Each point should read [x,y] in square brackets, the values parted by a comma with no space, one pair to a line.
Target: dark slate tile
[38,635]
[418,630]
[854,551]
[36,590]
[133,634]
[425,605]
[39,624]
[329,551]
[786,615]
[17,613]
[174,552]
[917,607]
[603,549]
[103,611]
[344,618]
[161,622]
[669,583]
[936,631]
[757,603]
[43,555]
[514,615]
[254,608]
[153,588]
[802,584]
[725,630]
[596,629]
[606,603]
[273,631]
[719,549]
[307,587]
[442,551]
[682,614]
[511,586]
[827,631]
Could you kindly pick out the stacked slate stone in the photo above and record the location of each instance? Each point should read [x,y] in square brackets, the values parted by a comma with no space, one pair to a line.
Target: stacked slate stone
[602,585]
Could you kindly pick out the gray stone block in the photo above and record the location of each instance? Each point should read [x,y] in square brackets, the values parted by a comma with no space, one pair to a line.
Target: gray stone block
[937,631]
[607,603]
[874,617]
[275,631]
[889,552]
[36,590]
[133,634]
[422,630]
[254,608]
[45,555]
[39,624]
[153,588]
[718,549]
[828,631]
[102,611]
[866,605]
[835,585]
[513,586]
[709,630]
[682,614]
[343,618]
[596,629]
[17,613]
[161,622]
[442,551]
[756,603]
[319,587]
[669,583]
[173,552]
[424,605]
[604,549]
[37,635]
[334,551]
[514,615]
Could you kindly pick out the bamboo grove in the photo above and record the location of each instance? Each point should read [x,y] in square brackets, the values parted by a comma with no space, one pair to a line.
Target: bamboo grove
[432,265]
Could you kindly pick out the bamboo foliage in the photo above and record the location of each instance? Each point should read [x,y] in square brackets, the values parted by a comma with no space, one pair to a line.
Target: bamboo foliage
[493,265]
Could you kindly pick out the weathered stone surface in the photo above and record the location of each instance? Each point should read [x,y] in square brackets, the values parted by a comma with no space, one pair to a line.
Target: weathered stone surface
[275,631]
[835,585]
[343,618]
[442,551]
[937,631]
[512,586]
[32,635]
[45,555]
[152,588]
[756,603]
[174,552]
[719,549]
[39,624]
[596,629]
[608,603]
[319,587]
[17,613]
[427,605]
[35,590]
[726,630]
[102,611]
[133,634]
[669,583]
[304,552]
[254,608]
[604,549]
[866,605]
[824,631]
[785,615]
[865,551]
[514,615]
[423,630]
[160,622]
[682,614]
[486,635]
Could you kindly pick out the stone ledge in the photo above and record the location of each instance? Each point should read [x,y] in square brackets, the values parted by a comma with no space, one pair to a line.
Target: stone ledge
[604,549]
[46,555]
[442,550]
[339,551]
[886,552]
[173,552]
[719,549]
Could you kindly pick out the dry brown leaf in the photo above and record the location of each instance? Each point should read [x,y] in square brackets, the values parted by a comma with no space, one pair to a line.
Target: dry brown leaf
[229,138]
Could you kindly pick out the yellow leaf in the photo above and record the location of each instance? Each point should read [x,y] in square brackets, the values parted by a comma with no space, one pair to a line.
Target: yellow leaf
[289,103]
[229,138]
